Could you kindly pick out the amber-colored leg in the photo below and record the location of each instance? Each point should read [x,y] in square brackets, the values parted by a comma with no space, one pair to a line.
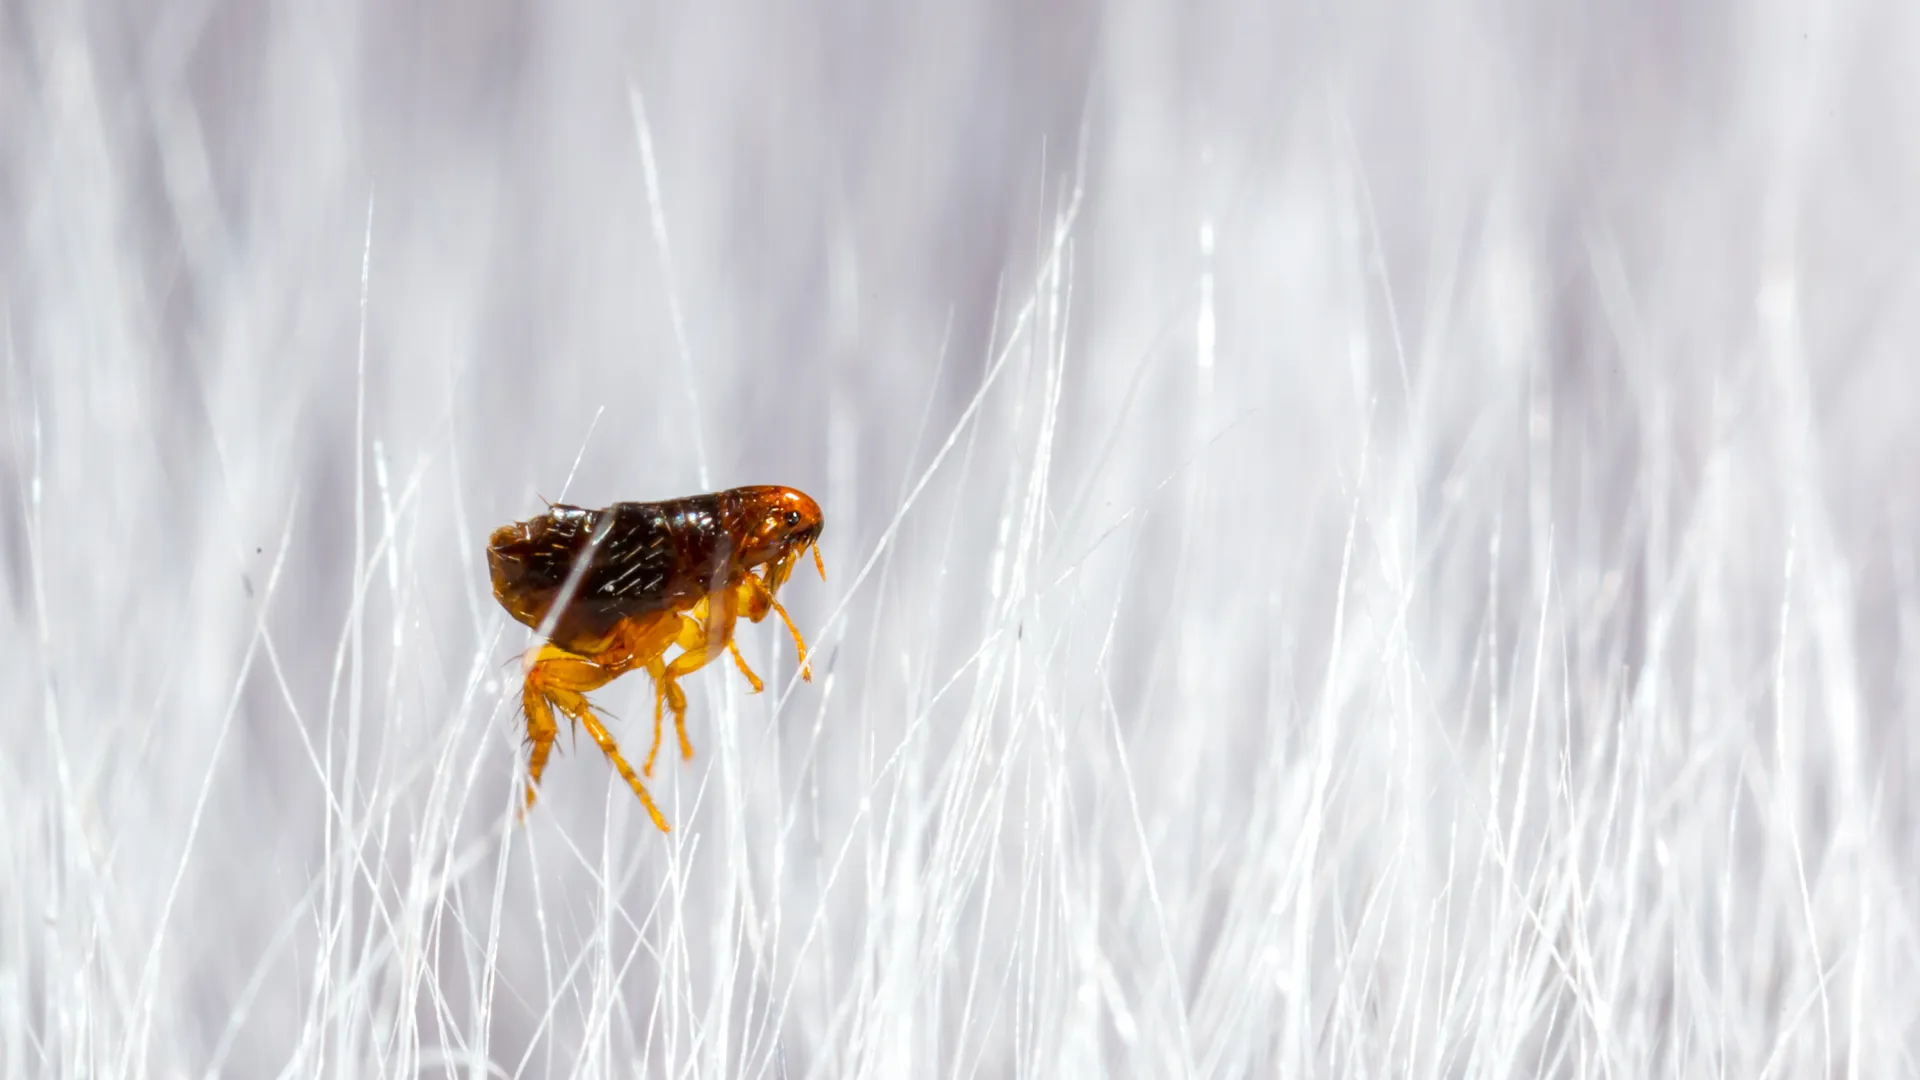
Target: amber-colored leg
[699,642]
[540,735]
[741,663]
[557,679]
[608,747]
[755,599]
[665,694]
[690,633]
[657,671]
[744,597]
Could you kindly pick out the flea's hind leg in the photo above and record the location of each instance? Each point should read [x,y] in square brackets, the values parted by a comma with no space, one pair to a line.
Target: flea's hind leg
[557,679]
[741,663]
[608,747]
[540,734]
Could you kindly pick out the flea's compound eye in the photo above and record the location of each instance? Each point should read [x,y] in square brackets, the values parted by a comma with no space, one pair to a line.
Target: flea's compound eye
[793,518]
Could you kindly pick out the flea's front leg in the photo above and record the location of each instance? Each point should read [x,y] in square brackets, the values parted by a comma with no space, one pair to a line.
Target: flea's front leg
[755,599]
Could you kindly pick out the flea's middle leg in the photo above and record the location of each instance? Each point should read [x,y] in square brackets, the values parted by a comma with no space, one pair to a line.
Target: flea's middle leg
[689,632]
[700,640]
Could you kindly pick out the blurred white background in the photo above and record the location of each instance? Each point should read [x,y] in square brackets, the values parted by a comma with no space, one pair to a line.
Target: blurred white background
[1371,539]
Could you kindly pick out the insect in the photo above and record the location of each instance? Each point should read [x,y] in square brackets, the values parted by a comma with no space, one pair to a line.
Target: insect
[612,590]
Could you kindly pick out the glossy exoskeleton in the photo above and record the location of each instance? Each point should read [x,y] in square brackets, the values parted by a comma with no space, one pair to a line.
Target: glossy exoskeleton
[614,589]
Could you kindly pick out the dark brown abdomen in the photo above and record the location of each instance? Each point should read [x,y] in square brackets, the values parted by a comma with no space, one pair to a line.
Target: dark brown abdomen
[649,557]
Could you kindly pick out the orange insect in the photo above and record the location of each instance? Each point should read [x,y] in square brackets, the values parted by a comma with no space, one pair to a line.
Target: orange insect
[612,590]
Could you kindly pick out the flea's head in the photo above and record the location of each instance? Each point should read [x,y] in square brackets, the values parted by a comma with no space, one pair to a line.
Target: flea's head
[781,525]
